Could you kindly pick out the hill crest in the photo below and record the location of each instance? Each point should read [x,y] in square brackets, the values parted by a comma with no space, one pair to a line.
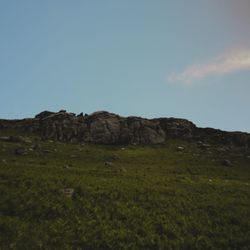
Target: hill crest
[102,127]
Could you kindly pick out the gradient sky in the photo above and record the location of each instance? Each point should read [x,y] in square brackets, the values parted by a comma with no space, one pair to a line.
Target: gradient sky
[187,59]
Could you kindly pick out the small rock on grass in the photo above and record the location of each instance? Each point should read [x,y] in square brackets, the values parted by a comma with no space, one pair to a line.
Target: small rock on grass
[66,166]
[108,164]
[227,163]
[46,151]
[180,148]
[4,161]
[20,151]
[68,192]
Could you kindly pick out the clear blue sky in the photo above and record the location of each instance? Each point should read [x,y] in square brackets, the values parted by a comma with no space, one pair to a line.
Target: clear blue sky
[162,58]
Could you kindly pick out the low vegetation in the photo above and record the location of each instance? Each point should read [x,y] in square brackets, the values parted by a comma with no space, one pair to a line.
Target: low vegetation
[180,195]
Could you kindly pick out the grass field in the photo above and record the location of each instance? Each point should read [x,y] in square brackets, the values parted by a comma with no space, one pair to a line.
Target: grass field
[124,197]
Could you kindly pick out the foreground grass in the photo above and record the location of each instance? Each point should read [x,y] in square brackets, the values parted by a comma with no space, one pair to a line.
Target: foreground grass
[147,197]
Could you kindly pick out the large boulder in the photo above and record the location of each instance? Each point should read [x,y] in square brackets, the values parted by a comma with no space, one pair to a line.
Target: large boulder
[103,127]
[44,114]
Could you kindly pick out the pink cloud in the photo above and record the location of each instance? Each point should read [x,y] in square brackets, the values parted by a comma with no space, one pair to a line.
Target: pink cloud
[228,63]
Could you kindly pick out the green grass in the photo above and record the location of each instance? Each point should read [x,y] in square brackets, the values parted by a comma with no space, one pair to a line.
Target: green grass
[151,197]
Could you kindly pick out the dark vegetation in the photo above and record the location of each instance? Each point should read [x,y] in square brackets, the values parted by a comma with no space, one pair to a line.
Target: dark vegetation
[180,195]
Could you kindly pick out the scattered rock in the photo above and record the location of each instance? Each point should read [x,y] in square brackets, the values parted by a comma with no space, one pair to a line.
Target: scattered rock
[15,139]
[66,166]
[180,148]
[108,164]
[46,151]
[122,170]
[227,163]
[222,150]
[27,140]
[196,155]
[205,145]
[68,192]
[4,161]
[4,138]
[20,151]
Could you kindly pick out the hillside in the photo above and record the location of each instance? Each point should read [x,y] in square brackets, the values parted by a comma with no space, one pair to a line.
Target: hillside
[102,181]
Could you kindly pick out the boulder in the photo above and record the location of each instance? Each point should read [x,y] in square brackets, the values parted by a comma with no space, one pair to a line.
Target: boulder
[44,114]
[4,161]
[68,192]
[227,163]
[108,164]
[180,148]
[20,151]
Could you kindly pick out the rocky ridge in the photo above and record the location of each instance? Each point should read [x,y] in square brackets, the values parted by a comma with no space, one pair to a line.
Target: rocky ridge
[107,128]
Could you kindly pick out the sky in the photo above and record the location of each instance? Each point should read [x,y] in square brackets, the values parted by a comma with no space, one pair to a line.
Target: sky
[161,58]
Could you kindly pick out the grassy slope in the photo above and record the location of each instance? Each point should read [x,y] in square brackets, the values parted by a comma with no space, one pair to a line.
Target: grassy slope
[152,197]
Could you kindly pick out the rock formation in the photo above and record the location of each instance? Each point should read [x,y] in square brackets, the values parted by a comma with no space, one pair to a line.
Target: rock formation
[107,128]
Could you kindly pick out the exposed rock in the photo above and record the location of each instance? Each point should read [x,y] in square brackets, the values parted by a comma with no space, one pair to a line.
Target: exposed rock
[222,150]
[122,170]
[4,161]
[205,145]
[80,115]
[4,138]
[107,128]
[44,114]
[68,192]
[108,164]
[46,151]
[180,148]
[20,151]
[227,163]
[14,139]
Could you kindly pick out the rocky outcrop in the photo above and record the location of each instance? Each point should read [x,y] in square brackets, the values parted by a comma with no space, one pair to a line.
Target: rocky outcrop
[107,128]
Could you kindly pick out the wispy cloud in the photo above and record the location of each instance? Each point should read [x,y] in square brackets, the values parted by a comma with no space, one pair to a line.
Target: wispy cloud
[227,63]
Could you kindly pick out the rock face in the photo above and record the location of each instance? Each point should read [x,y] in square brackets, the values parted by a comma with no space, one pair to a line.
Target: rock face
[107,128]
[100,127]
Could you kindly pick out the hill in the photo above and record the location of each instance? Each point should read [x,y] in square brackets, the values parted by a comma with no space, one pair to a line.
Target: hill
[85,182]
